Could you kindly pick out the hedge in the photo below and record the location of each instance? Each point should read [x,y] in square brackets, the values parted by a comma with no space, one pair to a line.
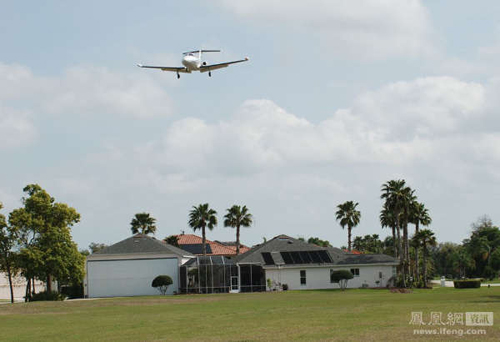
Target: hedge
[467,284]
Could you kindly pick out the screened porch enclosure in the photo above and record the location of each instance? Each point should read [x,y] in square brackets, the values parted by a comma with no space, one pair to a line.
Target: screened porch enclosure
[218,274]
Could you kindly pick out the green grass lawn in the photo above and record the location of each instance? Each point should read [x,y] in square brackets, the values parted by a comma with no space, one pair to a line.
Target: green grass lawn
[369,315]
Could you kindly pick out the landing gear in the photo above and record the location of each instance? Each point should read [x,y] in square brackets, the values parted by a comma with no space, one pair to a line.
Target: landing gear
[178,76]
[209,74]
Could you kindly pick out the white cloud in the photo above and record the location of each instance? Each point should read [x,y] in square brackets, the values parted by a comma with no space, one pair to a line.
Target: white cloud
[16,128]
[84,90]
[367,28]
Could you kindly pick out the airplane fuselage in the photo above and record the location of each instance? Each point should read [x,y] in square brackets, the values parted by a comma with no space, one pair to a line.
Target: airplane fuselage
[191,63]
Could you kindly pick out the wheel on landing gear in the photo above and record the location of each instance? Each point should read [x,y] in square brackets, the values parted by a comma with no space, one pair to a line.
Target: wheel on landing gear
[209,74]
[178,76]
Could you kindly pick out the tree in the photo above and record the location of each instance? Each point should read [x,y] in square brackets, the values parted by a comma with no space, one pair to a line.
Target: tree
[202,217]
[424,239]
[318,242]
[172,240]
[237,217]
[398,198]
[419,215]
[143,223]
[341,277]
[161,283]
[96,247]
[348,216]
[482,246]
[7,255]
[369,244]
[388,219]
[43,228]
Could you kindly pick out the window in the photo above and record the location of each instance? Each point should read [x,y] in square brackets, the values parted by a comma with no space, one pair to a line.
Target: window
[355,272]
[302,277]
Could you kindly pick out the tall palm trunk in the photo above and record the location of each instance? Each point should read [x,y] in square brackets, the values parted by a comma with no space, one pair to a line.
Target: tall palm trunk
[425,264]
[406,248]
[203,241]
[394,245]
[237,240]
[400,251]
[417,273]
[349,228]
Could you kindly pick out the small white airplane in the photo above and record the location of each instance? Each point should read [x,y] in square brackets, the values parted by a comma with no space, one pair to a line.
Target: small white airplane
[192,62]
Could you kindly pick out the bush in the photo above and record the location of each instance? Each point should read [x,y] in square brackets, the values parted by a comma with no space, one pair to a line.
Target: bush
[285,287]
[161,283]
[467,284]
[42,296]
[341,277]
[72,291]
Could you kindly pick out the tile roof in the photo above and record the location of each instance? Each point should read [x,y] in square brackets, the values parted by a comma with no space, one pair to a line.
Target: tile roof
[141,244]
[217,248]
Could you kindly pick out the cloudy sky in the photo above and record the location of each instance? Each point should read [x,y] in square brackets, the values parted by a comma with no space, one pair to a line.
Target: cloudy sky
[338,98]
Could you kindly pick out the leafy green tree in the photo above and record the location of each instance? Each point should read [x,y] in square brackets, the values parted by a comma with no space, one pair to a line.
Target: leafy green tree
[43,227]
[370,244]
[348,216]
[172,240]
[7,255]
[202,217]
[482,245]
[162,283]
[143,223]
[424,239]
[96,247]
[318,242]
[237,217]
[341,277]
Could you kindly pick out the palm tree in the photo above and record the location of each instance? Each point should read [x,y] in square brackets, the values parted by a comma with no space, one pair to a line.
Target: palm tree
[419,216]
[424,238]
[143,223]
[388,219]
[237,217]
[201,217]
[398,198]
[348,216]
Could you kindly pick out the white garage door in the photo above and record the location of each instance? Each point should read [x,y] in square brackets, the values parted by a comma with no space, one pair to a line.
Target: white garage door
[113,278]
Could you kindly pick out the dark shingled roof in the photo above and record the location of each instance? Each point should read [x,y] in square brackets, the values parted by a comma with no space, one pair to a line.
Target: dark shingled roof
[141,244]
[284,243]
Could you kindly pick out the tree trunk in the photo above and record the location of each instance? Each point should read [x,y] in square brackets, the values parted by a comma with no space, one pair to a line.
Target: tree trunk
[28,290]
[49,283]
[9,274]
[349,238]
[237,240]
[203,241]
[407,249]
[417,273]
[33,284]
[425,265]
[394,242]
[401,255]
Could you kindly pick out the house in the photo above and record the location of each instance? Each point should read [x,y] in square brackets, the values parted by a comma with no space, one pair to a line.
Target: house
[128,267]
[285,260]
[193,244]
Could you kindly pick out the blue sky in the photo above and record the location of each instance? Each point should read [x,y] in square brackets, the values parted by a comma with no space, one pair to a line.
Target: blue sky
[338,97]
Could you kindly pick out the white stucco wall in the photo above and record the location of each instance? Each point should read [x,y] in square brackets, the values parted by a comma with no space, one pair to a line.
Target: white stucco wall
[19,287]
[319,277]
[129,277]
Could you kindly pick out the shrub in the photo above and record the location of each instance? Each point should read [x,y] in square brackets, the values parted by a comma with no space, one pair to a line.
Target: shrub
[42,296]
[161,283]
[341,277]
[285,287]
[467,283]
[72,291]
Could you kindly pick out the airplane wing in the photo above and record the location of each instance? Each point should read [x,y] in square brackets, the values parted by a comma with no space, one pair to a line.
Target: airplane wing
[164,68]
[205,68]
